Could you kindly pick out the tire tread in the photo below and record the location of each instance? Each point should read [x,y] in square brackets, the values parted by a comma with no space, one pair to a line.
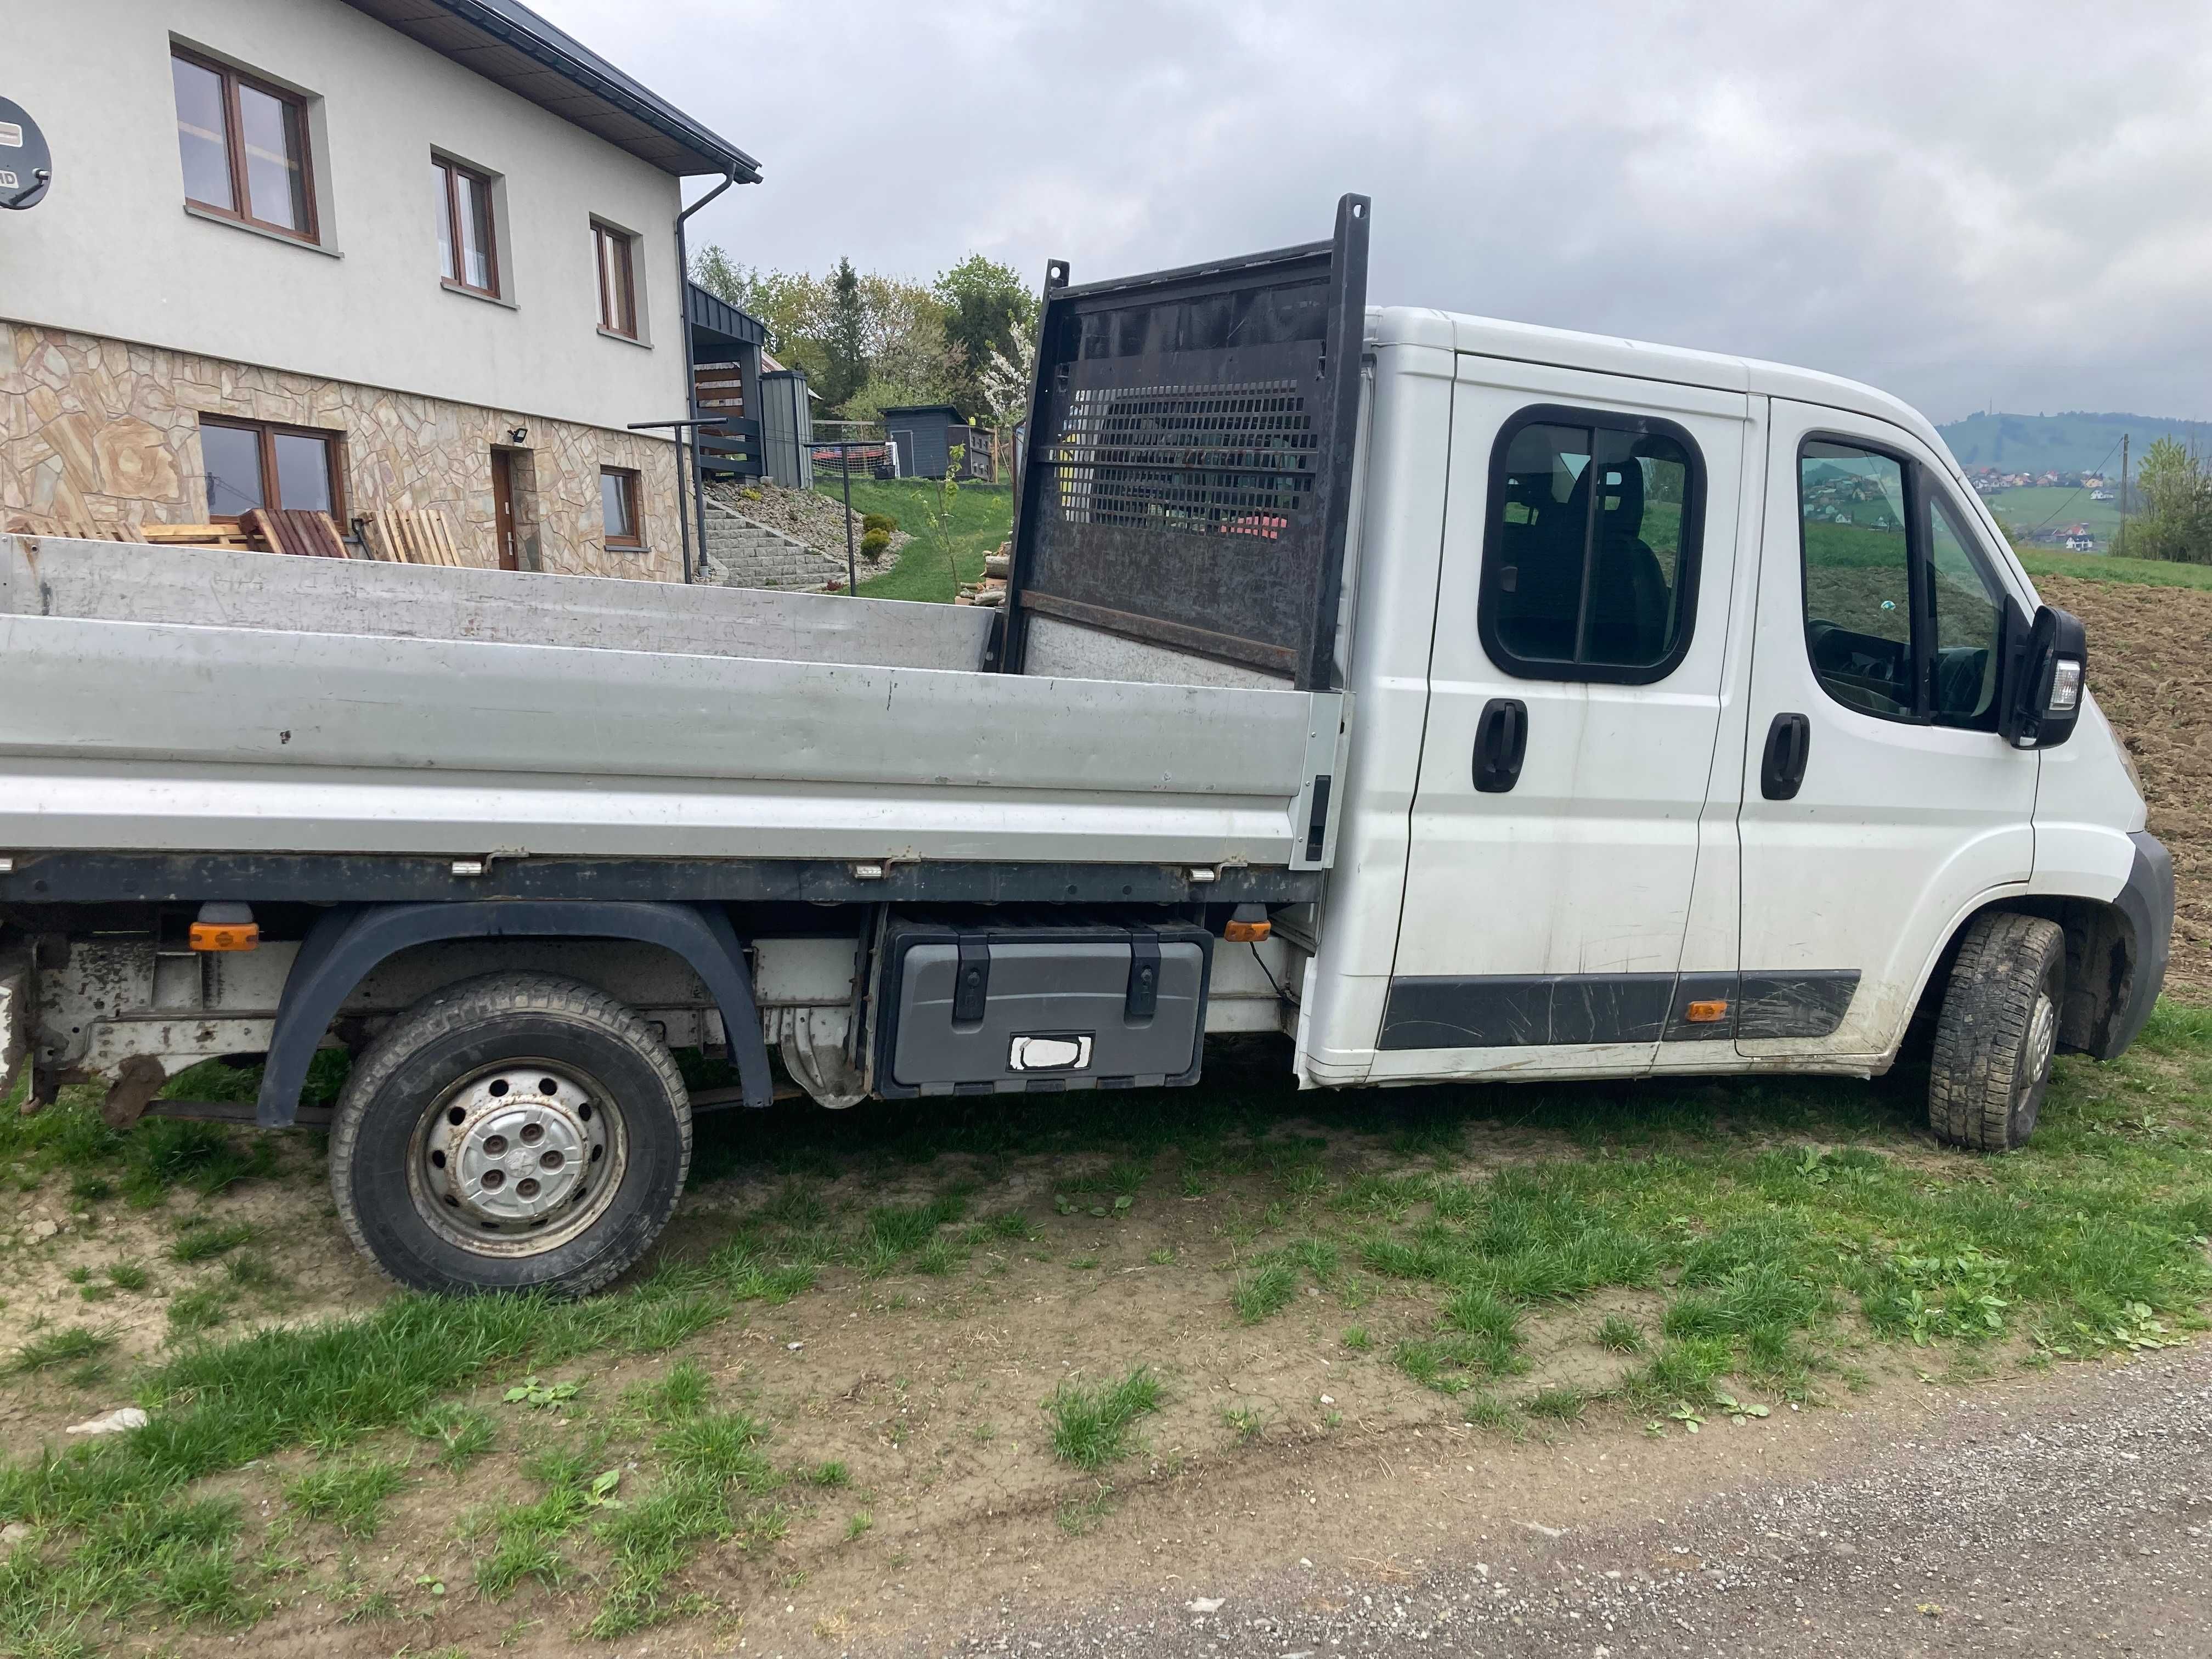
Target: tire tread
[1988,1005]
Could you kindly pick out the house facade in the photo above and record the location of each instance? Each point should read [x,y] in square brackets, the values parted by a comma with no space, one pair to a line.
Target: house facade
[350,255]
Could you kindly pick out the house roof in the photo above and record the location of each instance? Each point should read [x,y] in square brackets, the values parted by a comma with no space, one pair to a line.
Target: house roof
[511,45]
[922,408]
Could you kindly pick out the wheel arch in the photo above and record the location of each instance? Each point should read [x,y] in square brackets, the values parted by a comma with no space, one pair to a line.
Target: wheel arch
[2116,954]
[347,942]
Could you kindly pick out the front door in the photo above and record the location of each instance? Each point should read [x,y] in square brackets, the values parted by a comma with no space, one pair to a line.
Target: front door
[1574,700]
[502,505]
[1881,806]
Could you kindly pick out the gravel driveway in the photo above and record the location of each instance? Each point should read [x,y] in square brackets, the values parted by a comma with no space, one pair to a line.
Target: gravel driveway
[2072,1516]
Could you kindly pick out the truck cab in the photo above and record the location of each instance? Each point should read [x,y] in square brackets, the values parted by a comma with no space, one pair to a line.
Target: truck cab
[1694,731]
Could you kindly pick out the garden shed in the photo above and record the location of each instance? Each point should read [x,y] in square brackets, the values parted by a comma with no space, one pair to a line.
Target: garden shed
[923,433]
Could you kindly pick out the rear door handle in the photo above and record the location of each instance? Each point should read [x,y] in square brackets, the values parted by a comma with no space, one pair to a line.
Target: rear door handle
[1789,745]
[1501,738]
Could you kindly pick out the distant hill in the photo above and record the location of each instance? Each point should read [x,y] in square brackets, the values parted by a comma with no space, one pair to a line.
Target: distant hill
[2070,442]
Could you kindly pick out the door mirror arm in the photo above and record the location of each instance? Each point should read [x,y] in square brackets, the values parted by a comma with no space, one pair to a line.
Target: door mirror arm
[2045,663]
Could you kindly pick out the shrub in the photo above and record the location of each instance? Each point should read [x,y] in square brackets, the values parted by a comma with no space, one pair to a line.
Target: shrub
[873,543]
[872,522]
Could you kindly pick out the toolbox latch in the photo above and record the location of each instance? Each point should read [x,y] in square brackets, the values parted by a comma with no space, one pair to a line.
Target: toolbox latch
[971,989]
[1142,999]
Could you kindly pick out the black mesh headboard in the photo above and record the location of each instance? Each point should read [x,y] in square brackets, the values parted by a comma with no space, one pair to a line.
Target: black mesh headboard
[1191,437]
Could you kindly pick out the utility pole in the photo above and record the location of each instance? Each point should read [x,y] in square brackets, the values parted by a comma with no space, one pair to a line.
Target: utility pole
[2121,551]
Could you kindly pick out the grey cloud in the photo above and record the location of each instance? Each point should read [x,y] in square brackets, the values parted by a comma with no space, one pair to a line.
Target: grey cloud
[1960,202]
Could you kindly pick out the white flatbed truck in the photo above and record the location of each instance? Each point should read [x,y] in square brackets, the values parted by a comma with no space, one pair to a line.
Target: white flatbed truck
[1459,699]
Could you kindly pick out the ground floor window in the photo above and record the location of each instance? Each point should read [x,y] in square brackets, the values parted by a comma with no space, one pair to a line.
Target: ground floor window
[253,464]
[618,506]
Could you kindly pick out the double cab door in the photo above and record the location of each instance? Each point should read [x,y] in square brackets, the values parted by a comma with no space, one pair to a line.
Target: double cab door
[1710,768]
[1563,820]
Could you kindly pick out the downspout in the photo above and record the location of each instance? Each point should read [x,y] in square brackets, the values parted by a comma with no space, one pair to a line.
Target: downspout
[691,378]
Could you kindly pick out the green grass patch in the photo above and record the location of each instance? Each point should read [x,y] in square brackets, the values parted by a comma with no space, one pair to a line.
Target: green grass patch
[349,1493]
[205,1241]
[71,1345]
[983,517]
[460,1433]
[1091,1425]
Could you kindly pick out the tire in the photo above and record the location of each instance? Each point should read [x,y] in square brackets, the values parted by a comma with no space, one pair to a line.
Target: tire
[456,1168]
[1998,1033]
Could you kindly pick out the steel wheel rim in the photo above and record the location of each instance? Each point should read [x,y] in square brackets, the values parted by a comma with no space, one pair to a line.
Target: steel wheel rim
[2042,1038]
[518,1158]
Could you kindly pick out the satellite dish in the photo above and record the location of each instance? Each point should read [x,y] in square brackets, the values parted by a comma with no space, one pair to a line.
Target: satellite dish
[27,165]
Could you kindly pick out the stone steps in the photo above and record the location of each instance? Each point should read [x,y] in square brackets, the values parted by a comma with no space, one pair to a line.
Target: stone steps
[742,553]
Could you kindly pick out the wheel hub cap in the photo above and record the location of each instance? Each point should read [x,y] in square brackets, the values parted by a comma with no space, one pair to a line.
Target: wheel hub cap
[516,1148]
[2042,1038]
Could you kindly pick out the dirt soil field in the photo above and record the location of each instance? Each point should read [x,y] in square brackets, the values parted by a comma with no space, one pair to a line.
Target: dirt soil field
[2150,665]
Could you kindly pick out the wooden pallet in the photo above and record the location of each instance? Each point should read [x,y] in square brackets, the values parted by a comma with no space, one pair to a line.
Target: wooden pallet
[298,530]
[410,535]
[234,536]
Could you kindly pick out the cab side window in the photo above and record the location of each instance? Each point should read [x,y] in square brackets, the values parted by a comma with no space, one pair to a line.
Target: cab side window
[1590,554]
[1859,576]
[1903,619]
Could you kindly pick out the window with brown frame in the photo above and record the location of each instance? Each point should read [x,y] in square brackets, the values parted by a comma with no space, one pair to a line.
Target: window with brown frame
[466,255]
[611,250]
[252,464]
[618,506]
[244,147]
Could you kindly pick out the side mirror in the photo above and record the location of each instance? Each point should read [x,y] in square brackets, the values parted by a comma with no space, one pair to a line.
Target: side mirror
[2044,684]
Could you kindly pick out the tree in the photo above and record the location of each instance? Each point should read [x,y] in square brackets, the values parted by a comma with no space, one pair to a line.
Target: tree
[2175,488]
[988,310]
[845,341]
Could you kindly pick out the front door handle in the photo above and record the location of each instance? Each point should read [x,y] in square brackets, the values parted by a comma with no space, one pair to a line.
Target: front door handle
[1501,738]
[1789,744]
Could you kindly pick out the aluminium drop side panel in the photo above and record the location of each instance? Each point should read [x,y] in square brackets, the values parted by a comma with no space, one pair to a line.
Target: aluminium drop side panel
[1189,481]
[252,739]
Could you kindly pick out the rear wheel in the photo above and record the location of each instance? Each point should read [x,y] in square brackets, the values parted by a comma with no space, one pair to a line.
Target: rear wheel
[1998,1033]
[516,1131]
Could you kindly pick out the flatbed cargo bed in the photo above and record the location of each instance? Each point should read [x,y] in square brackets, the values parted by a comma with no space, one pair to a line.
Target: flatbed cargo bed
[177,701]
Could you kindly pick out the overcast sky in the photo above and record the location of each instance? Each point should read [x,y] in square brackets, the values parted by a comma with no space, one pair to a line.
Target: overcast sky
[1968,205]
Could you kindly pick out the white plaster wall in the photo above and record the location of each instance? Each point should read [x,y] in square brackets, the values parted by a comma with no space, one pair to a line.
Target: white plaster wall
[111,250]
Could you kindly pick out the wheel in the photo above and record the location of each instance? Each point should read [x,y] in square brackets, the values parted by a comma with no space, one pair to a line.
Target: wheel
[1997,1033]
[516,1131]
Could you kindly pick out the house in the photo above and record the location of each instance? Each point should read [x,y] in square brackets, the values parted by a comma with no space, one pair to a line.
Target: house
[351,255]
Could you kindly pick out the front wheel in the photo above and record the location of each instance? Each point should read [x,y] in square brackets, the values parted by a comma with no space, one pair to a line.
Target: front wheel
[1998,1033]
[516,1131]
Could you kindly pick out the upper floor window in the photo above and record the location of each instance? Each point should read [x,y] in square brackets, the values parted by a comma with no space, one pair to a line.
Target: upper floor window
[244,147]
[613,251]
[1903,619]
[466,255]
[1589,559]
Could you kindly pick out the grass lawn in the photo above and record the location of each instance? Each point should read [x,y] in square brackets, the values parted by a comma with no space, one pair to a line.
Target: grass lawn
[983,517]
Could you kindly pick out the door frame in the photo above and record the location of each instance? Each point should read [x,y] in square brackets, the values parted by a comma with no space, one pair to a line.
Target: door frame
[505,533]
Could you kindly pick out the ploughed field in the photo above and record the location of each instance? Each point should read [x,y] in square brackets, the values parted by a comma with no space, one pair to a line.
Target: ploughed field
[2150,665]
[906,1370]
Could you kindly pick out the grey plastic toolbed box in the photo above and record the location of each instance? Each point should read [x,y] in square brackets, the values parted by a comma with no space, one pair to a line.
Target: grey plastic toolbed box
[1013,1010]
